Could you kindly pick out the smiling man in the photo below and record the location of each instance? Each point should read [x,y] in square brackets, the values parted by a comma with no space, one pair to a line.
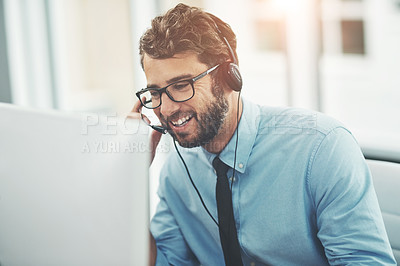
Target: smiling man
[249,185]
[203,112]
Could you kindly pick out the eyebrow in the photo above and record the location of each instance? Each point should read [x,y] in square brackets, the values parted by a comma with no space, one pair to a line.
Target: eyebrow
[172,80]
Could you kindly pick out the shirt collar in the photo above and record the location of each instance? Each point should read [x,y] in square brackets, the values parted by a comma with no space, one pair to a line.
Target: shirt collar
[248,127]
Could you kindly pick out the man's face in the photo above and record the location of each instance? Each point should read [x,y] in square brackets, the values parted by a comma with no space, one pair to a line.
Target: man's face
[196,121]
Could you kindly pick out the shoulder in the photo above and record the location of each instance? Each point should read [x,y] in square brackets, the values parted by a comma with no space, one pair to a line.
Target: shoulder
[288,129]
[267,119]
[290,119]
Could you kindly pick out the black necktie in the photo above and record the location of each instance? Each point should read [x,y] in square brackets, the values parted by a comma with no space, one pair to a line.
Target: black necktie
[227,228]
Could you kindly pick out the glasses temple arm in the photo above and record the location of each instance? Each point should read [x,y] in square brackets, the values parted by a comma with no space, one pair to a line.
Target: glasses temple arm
[205,73]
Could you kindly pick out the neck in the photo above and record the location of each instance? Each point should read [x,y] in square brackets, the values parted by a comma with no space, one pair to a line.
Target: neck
[225,133]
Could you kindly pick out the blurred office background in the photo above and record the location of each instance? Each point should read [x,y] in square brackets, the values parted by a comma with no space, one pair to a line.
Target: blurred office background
[340,57]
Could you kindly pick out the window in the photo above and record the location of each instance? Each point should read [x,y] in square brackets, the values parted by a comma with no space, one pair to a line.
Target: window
[352,36]
[64,54]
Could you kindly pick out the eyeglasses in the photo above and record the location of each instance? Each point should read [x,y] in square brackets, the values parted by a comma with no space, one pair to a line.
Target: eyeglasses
[179,91]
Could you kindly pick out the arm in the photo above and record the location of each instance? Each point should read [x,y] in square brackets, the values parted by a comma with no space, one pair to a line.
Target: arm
[154,140]
[349,220]
[152,251]
[171,245]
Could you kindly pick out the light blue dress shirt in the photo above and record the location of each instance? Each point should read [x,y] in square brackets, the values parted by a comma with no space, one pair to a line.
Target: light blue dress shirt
[302,195]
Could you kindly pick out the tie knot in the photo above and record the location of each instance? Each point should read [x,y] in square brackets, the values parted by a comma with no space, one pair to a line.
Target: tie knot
[220,167]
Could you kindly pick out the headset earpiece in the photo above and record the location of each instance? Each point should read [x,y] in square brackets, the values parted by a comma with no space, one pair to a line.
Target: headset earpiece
[230,74]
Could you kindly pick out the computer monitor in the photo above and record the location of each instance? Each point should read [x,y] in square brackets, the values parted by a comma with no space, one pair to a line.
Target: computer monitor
[73,189]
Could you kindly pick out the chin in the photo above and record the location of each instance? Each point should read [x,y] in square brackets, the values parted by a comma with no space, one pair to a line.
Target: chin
[187,144]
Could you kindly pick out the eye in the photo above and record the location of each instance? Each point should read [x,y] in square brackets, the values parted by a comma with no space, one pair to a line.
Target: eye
[154,94]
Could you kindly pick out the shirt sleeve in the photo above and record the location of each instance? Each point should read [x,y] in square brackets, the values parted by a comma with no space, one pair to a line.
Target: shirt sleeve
[172,248]
[348,217]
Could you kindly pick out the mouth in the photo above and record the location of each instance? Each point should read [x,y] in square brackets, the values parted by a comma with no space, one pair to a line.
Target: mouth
[182,121]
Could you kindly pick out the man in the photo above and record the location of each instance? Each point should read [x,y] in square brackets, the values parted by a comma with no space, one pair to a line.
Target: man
[299,191]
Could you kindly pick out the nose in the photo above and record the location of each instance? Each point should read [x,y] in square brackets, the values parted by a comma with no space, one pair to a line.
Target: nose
[168,106]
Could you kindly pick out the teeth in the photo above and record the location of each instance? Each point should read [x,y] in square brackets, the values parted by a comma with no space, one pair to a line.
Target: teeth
[181,121]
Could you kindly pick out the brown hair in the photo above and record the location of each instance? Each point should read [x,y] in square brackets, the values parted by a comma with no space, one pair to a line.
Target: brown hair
[188,29]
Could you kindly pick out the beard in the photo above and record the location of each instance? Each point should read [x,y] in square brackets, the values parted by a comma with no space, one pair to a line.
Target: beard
[209,122]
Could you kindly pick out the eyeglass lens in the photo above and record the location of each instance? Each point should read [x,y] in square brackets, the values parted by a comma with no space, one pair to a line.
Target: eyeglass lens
[179,92]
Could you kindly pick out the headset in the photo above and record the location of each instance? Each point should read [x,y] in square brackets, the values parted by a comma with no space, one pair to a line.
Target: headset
[230,74]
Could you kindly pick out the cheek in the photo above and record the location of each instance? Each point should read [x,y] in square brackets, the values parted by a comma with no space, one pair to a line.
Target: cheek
[202,98]
[157,112]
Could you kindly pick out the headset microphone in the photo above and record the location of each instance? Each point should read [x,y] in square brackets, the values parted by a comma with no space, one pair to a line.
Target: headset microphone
[158,129]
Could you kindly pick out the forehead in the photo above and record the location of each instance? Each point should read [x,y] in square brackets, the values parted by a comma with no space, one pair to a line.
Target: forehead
[160,71]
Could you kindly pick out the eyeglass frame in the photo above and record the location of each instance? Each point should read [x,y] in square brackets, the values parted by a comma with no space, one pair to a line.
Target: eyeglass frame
[164,89]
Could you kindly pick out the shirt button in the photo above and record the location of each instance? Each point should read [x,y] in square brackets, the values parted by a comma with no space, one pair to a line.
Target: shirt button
[240,165]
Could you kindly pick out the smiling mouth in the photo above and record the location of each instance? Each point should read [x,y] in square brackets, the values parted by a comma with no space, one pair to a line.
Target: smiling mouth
[182,121]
